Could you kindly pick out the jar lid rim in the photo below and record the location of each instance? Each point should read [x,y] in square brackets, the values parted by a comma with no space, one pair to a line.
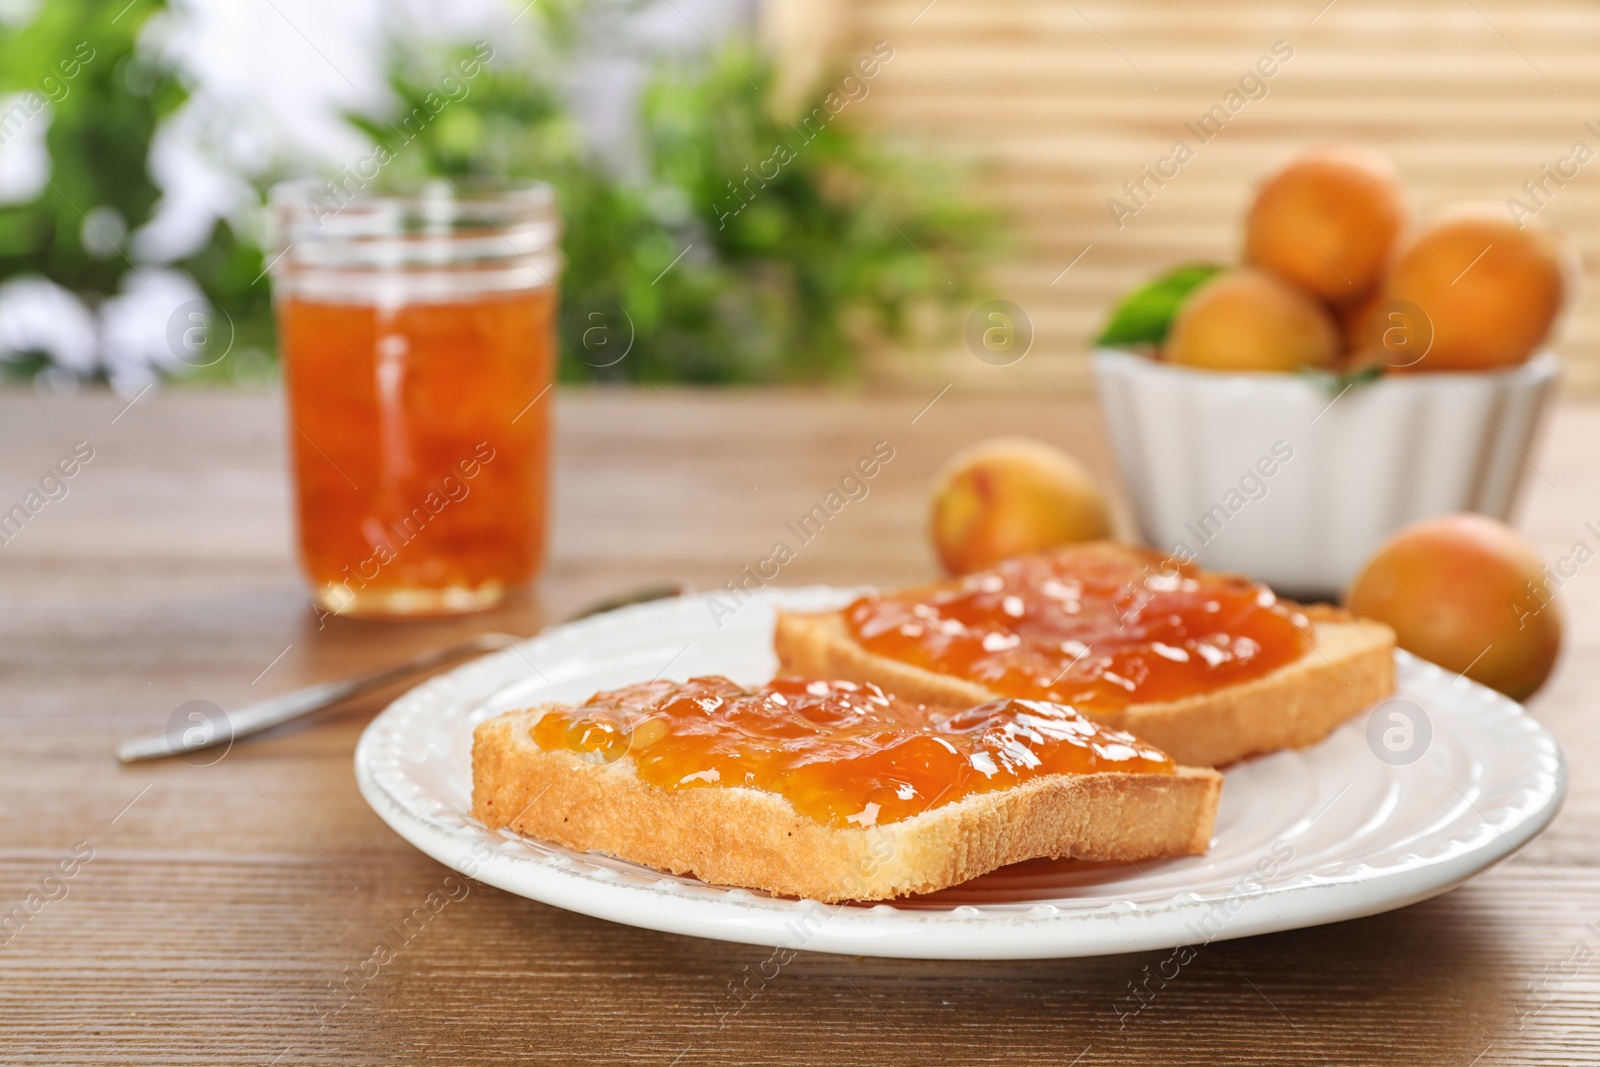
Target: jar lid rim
[433,196]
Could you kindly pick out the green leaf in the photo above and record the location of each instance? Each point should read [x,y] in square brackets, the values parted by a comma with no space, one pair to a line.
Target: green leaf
[1336,382]
[1144,315]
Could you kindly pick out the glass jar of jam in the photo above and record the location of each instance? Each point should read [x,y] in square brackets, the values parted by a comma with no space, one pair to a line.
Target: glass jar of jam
[417,334]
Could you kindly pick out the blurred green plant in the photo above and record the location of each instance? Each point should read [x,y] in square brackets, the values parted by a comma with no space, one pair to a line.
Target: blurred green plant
[106,97]
[743,247]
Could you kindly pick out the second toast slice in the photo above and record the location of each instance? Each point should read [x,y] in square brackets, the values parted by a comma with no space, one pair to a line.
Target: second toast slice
[1340,666]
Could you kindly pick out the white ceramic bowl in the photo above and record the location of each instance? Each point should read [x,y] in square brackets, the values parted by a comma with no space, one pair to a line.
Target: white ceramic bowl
[1278,477]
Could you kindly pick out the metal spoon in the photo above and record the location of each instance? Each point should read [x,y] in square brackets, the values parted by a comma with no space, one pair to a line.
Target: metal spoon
[265,714]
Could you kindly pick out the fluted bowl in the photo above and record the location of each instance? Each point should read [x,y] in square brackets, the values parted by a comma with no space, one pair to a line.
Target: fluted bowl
[1296,481]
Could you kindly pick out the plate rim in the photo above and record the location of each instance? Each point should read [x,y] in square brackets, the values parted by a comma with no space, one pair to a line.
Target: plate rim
[663,902]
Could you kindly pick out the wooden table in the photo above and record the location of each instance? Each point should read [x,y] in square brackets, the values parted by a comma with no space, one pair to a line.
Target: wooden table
[223,903]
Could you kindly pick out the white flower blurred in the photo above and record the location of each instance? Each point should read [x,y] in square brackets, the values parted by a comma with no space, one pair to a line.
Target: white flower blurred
[24,159]
[129,341]
[37,315]
[136,333]
[18,12]
[270,86]
[196,191]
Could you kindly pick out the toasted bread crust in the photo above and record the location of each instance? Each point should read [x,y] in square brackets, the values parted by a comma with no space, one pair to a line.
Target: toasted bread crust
[1350,668]
[746,837]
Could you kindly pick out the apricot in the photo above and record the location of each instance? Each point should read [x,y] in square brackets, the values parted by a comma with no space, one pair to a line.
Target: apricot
[1355,320]
[1326,221]
[1355,329]
[1010,496]
[1247,320]
[1468,593]
[1490,291]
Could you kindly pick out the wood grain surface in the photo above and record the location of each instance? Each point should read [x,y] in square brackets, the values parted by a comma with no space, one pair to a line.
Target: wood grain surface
[213,913]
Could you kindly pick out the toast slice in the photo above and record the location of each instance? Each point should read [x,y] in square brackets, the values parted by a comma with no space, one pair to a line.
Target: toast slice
[600,800]
[1347,666]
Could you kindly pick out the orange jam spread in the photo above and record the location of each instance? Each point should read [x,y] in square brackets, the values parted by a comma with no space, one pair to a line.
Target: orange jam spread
[1098,627]
[842,753]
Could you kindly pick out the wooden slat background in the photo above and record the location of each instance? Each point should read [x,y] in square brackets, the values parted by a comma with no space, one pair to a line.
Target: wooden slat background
[1055,103]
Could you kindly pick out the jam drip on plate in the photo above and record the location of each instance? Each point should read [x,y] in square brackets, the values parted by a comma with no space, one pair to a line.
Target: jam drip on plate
[1098,627]
[843,753]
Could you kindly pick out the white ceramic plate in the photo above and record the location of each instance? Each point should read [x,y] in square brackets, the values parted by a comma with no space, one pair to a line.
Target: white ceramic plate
[1330,833]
